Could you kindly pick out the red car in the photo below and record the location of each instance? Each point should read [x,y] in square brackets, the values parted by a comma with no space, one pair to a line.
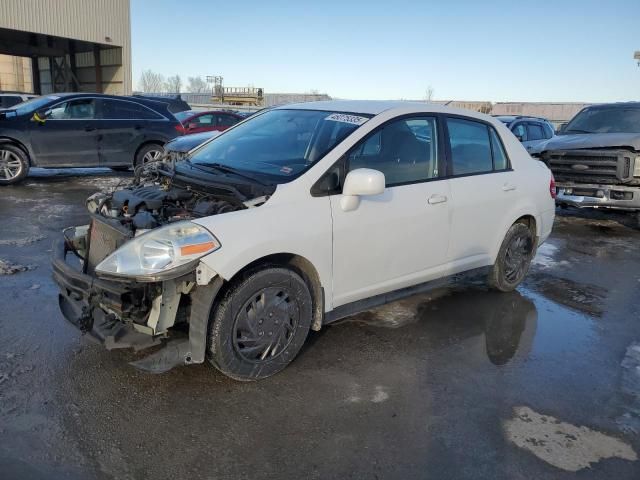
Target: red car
[205,121]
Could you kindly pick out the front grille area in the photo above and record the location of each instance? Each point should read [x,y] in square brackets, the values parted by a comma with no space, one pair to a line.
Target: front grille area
[103,240]
[594,166]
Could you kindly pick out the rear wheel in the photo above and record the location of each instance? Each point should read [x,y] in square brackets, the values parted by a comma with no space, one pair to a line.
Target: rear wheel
[260,324]
[14,164]
[514,258]
[149,153]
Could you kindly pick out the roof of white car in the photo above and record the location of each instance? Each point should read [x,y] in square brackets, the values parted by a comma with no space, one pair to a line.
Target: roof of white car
[375,107]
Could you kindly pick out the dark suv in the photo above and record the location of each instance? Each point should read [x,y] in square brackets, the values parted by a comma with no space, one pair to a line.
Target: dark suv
[82,130]
[529,130]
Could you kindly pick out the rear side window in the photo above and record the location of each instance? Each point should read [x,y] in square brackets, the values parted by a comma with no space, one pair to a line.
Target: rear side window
[475,148]
[226,120]
[120,110]
[470,147]
[534,131]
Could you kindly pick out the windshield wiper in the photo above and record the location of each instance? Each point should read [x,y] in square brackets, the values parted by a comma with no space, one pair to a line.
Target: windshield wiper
[227,169]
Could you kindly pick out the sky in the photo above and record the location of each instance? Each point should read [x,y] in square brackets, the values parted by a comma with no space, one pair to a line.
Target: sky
[566,51]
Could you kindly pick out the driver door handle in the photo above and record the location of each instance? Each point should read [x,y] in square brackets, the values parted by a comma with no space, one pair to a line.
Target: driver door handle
[507,187]
[89,128]
[434,199]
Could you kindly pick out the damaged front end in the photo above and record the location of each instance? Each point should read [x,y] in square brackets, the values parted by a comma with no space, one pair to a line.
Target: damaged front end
[132,278]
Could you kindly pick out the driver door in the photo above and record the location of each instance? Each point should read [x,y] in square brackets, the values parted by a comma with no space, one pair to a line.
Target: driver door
[400,237]
[69,135]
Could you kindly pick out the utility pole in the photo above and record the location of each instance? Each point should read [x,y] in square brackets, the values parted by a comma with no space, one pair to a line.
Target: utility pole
[636,56]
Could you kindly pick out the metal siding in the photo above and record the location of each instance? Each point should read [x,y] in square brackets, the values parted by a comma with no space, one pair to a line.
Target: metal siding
[88,20]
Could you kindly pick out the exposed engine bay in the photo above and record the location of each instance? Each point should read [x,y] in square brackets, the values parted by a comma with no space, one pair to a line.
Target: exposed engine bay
[155,198]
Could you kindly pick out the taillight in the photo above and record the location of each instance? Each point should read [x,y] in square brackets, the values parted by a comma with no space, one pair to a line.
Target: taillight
[552,187]
[180,129]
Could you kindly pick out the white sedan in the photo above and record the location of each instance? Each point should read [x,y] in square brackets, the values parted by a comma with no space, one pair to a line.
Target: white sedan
[297,217]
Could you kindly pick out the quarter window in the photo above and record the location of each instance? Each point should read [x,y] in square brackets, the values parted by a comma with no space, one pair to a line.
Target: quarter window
[119,110]
[500,161]
[470,147]
[406,151]
[79,109]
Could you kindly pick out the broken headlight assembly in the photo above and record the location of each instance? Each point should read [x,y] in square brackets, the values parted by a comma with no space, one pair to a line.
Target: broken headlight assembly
[160,254]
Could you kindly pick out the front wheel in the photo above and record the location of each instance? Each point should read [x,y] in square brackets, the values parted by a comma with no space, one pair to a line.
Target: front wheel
[14,164]
[260,324]
[514,258]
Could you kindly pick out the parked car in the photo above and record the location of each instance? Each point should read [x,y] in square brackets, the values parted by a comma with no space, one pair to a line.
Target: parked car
[177,148]
[194,121]
[298,217]
[10,99]
[531,131]
[82,130]
[596,158]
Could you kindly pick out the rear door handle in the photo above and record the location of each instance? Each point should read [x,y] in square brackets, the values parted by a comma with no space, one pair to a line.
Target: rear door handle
[507,187]
[89,128]
[434,199]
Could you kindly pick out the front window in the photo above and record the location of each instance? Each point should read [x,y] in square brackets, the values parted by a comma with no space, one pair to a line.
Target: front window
[605,120]
[279,143]
[34,104]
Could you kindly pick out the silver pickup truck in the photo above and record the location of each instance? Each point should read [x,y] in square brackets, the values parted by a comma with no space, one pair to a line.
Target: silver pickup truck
[595,158]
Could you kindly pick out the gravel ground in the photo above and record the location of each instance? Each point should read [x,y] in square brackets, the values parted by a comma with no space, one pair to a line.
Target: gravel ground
[458,383]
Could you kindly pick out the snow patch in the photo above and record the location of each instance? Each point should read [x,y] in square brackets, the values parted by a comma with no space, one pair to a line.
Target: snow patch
[561,444]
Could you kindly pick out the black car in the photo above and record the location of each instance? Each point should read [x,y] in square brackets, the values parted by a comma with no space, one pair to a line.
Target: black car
[82,130]
[529,130]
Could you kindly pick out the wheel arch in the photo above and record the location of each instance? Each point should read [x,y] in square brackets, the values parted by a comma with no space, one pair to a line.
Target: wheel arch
[19,144]
[524,216]
[300,265]
[144,144]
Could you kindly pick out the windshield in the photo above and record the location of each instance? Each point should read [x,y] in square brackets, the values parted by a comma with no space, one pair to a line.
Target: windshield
[34,104]
[279,143]
[605,120]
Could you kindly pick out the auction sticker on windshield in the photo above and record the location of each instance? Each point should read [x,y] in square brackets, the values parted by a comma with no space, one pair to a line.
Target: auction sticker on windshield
[345,118]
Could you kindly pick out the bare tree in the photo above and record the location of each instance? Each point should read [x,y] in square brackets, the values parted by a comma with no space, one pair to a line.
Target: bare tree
[174,84]
[151,82]
[429,94]
[197,85]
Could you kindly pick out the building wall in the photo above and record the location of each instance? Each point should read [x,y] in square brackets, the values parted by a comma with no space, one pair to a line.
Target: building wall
[15,74]
[556,112]
[106,22]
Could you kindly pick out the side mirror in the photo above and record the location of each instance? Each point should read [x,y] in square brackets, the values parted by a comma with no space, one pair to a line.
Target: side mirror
[561,127]
[39,116]
[361,182]
[519,137]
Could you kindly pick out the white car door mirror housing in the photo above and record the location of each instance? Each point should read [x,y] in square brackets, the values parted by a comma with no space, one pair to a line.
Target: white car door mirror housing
[359,182]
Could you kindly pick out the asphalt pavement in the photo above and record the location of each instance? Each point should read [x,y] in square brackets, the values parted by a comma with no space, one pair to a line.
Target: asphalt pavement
[459,383]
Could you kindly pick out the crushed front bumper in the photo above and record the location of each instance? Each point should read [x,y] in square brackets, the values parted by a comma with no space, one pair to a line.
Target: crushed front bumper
[599,196]
[90,303]
[97,308]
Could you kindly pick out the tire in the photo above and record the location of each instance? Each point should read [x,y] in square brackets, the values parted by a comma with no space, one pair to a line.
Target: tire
[251,335]
[147,153]
[514,258]
[638,220]
[14,164]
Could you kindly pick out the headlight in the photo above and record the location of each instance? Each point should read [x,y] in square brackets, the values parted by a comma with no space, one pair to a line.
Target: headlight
[163,253]
[636,169]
